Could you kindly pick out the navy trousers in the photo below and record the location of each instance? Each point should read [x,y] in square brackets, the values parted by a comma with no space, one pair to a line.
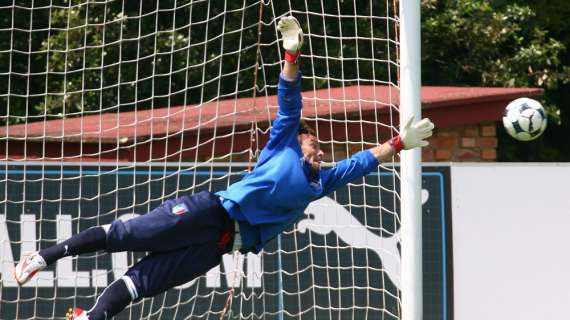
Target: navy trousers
[186,237]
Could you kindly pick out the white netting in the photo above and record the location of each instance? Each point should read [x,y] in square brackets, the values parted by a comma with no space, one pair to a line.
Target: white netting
[107,108]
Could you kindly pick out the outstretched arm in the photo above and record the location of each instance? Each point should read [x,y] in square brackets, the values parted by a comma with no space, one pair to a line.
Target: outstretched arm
[411,136]
[286,125]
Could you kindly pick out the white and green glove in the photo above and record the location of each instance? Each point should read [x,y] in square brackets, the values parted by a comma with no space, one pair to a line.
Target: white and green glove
[413,135]
[292,35]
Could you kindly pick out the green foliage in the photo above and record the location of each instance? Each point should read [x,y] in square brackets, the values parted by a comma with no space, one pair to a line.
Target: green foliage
[75,57]
[486,43]
[122,62]
[470,42]
[79,57]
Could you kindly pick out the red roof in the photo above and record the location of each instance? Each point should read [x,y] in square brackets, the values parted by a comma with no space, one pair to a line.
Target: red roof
[446,106]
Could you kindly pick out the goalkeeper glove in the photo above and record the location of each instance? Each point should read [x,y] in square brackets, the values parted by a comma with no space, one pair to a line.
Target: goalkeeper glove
[292,35]
[413,135]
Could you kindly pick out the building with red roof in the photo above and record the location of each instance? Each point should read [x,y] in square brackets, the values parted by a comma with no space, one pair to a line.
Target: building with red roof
[232,129]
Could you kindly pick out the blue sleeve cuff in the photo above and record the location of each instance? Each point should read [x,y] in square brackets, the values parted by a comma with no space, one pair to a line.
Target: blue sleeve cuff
[285,84]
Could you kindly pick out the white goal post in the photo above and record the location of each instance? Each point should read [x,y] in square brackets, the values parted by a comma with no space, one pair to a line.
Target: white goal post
[410,105]
[110,107]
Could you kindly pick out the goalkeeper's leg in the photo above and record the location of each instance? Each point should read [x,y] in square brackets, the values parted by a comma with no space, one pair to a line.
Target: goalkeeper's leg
[154,274]
[175,224]
[90,240]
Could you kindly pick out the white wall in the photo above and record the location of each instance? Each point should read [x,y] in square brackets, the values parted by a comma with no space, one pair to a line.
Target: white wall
[511,241]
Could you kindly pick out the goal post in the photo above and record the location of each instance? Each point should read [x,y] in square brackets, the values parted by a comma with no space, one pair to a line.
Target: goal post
[411,214]
[113,107]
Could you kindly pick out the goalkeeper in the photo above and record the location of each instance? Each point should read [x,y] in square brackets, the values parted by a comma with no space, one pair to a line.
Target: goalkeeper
[187,236]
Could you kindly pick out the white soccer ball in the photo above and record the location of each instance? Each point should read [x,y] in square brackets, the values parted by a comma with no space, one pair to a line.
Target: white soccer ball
[524,119]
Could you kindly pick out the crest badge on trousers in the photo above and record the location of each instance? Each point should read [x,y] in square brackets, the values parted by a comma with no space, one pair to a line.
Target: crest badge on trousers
[179,209]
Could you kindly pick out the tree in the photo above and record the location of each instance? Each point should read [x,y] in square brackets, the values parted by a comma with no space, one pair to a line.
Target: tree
[79,57]
[481,43]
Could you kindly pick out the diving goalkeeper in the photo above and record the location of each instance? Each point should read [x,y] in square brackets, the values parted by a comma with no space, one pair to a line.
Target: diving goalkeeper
[187,236]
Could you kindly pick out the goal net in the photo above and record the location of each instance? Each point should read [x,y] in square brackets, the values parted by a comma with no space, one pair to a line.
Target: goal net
[108,108]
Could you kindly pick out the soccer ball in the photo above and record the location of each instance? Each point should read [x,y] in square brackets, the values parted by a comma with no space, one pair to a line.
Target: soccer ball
[524,119]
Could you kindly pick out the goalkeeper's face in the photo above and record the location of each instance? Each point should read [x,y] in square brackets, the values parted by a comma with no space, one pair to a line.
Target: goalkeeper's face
[311,150]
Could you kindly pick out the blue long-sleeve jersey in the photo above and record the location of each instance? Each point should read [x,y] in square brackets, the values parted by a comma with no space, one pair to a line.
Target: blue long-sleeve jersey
[277,191]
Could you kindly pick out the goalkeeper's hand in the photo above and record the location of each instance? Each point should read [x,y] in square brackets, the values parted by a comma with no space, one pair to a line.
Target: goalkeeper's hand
[291,33]
[415,134]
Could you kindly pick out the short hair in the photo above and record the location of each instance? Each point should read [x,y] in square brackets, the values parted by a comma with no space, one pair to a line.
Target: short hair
[305,128]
